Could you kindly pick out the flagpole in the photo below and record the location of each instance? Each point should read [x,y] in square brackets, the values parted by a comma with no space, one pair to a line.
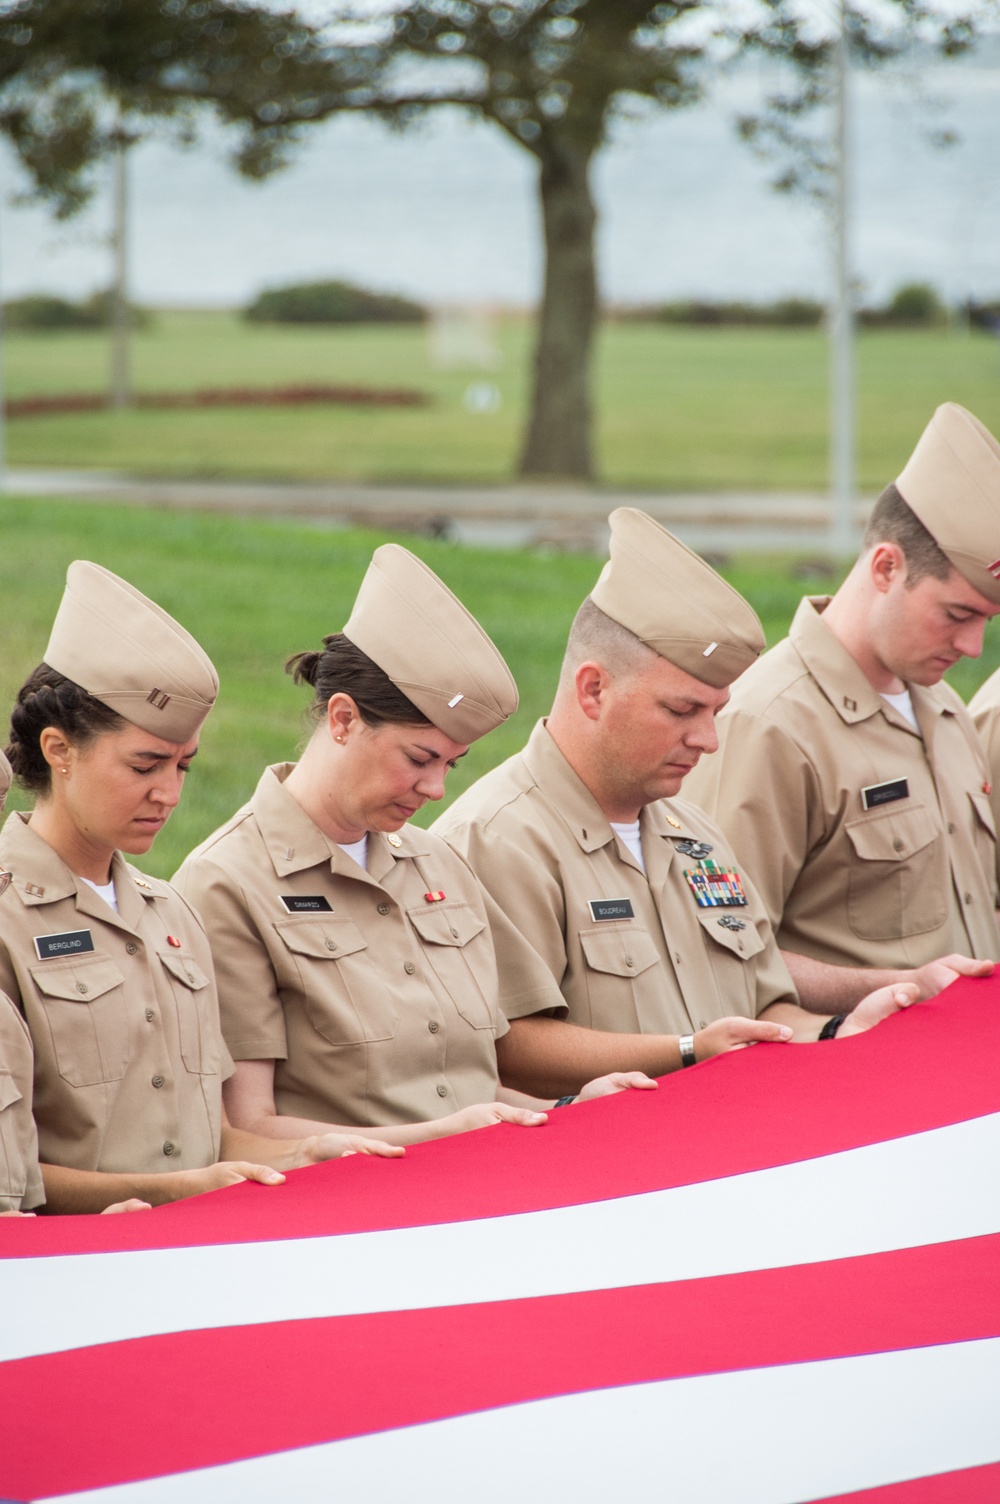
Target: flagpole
[121,394]
[841,320]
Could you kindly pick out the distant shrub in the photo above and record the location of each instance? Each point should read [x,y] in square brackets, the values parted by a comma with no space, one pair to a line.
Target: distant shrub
[915,305]
[40,311]
[984,316]
[332,303]
[99,309]
[785,312]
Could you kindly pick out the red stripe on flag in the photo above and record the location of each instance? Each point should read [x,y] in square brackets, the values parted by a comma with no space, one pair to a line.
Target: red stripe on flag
[758,1108]
[196,1399]
[972,1485]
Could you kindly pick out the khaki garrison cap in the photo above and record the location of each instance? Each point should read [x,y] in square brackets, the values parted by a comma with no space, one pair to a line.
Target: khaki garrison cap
[675,602]
[952,482]
[129,654]
[410,624]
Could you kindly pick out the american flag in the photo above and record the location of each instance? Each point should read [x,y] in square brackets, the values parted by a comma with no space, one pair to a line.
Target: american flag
[775,1279]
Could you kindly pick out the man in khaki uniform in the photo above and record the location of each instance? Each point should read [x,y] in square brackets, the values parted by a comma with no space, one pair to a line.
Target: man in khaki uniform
[20,1177]
[849,777]
[984,708]
[632,898]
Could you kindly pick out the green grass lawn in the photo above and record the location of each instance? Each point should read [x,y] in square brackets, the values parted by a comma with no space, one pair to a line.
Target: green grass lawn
[677,408]
[255,592]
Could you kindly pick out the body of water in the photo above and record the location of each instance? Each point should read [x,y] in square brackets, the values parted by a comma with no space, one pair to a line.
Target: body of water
[448,212]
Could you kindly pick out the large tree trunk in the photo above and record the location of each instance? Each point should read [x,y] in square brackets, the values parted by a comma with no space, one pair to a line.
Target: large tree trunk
[558,438]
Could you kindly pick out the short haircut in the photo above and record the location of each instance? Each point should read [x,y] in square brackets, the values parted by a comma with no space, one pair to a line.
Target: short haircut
[892,521]
[595,637]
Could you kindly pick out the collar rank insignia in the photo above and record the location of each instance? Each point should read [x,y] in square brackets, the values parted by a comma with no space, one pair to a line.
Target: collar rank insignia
[698,849]
[730,922]
[434,897]
[715,887]
[141,882]
[675,823]
[394,840]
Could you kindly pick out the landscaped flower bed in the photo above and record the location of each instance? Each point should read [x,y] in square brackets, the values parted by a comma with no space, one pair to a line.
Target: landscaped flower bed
[236,396]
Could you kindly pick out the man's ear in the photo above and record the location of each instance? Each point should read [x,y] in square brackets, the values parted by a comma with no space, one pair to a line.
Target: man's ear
[592,682]
[887,565]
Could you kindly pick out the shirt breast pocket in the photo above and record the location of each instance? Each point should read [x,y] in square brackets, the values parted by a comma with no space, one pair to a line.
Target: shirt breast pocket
[615,957]
[619,950]
[345,999]
[459,950]
[733,931]
[197,1012]
[897,884]
[84,1005]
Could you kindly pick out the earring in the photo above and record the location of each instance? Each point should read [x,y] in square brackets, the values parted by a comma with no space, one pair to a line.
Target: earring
[336,739]
[64,770]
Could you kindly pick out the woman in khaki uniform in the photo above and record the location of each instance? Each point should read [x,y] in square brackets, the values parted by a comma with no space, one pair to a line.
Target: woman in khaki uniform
[111,969]
[357,972]
[20,1177]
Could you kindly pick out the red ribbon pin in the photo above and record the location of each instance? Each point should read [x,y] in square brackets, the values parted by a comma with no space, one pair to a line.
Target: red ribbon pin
[434,897]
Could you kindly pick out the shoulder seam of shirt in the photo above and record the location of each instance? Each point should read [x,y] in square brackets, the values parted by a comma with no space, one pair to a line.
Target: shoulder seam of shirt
[233,823]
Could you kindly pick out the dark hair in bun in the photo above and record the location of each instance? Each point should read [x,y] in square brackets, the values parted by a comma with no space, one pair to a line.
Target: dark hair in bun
[341,668]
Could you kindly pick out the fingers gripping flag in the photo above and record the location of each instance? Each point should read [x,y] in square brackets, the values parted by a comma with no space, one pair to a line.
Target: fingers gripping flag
[775,1279]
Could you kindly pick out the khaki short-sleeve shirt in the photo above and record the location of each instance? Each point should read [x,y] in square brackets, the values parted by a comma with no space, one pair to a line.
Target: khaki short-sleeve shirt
[632,952]
[375,992]
[984,707]
[20,1177]
[872,844]
[122,1011]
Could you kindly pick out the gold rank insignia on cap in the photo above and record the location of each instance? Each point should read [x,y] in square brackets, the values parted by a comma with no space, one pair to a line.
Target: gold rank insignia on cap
[952,482]
[433,650]
[123,649]
[676,603]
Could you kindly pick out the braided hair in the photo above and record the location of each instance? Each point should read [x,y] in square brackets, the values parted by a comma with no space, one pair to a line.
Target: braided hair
[47,698]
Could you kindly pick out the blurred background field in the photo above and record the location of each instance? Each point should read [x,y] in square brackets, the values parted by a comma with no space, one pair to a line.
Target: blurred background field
[676,408]
[255,592]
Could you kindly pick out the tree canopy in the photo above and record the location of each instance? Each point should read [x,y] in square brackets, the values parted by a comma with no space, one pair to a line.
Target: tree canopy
[552,74]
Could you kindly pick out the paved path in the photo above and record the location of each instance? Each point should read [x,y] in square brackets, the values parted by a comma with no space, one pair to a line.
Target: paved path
[508,516]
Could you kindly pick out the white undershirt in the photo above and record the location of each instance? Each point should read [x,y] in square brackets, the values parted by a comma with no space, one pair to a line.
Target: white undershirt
[357,851]
[105,891]
[630,835]
[904,705]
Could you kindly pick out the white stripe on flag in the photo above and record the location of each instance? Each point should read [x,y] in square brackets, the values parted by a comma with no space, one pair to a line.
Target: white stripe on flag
[759,1436]
[928,1188]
